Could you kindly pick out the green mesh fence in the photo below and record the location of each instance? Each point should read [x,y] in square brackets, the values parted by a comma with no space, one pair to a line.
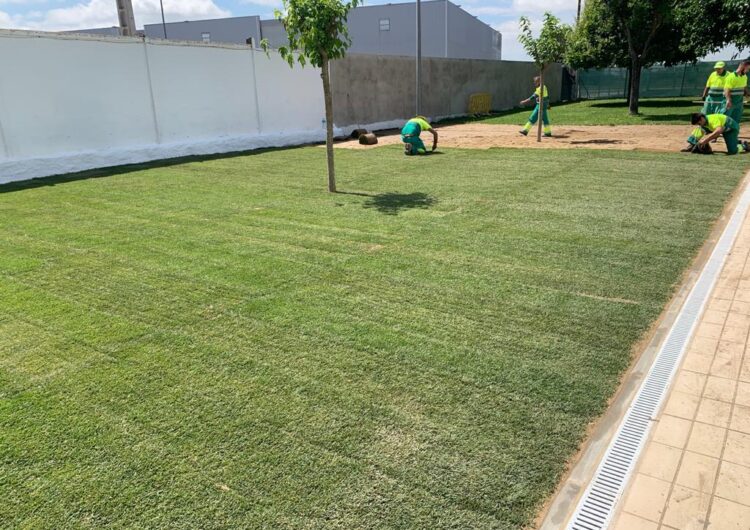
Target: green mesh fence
[657,81]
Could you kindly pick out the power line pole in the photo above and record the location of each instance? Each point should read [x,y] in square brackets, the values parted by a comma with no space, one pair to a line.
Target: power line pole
[578,16]
[163,22]
[419,58]
[126,17]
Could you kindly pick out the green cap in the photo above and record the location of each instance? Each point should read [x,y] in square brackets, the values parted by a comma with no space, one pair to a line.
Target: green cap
[719,64]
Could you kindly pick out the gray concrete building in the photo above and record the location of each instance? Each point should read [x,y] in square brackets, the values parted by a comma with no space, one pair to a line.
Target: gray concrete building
[447,31]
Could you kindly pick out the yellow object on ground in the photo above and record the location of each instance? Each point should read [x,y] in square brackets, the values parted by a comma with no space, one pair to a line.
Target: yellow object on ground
[480,103]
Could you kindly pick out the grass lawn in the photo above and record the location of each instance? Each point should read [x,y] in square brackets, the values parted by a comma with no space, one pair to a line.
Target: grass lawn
[670,111]
[222,344]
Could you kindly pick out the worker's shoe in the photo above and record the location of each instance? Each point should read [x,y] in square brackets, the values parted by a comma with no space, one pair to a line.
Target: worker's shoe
[408,150]
[524,132]
[548,135]
[746,146]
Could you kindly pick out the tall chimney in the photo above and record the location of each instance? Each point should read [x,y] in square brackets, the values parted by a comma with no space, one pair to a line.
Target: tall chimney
[127,19]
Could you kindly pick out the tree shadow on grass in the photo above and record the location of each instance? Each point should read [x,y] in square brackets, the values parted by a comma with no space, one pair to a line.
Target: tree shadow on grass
[394,203]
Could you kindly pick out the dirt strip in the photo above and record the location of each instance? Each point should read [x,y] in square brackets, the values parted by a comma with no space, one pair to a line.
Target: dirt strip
[660,138]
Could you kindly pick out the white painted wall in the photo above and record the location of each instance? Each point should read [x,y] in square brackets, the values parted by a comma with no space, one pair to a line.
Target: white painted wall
[72,102]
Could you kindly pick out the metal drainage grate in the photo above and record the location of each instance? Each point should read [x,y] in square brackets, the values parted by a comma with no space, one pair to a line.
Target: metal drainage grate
[596,507]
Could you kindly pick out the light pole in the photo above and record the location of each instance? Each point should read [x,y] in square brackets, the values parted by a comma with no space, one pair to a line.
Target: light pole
[419,58]
[163,22]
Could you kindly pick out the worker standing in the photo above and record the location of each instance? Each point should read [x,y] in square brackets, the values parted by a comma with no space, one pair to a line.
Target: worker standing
[541,97]
[713,94]
[735,89]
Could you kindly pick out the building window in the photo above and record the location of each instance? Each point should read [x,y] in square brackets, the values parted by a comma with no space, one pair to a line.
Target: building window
[206,37]
[385,24]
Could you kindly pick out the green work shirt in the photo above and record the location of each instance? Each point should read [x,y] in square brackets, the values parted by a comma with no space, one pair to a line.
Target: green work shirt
[737,85]
[415,126]
[714,121]
[716,83]
[538,92]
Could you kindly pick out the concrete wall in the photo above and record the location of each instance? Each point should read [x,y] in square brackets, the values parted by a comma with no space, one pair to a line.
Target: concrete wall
[79,102]
[369,89]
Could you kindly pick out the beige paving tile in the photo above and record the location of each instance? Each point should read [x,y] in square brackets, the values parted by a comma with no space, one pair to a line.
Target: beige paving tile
[743,394]
[740,419]
[720,389]
[745,370]
[689,382]
[723,305]
[728,368]
[660,461]
[737,448]
[686,509]
[743,295]
[704,346]
[730,350]
[734,334]
[697,472]
[742,308]
[706,439]
[724,293]
[708,330]
[682,405]
[672,431]
[728,515]
[628,521]
[647,497]
[695,362]
[714,412]
[713,316]
[734,483]
[732,319]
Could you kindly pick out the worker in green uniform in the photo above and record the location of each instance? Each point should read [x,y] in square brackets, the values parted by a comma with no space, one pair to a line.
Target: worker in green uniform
[541,97]
[413,144]
[735,89]
[711,127]
[713,94]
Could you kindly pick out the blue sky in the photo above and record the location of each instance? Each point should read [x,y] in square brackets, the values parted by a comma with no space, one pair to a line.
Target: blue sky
[55,15]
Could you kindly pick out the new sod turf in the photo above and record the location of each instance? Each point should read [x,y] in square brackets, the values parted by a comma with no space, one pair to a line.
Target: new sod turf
[223,344]
[666,111]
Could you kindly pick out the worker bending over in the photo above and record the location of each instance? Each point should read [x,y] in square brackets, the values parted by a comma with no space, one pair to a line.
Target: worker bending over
[713,94]
[413,144]
[711,127]
[541,97]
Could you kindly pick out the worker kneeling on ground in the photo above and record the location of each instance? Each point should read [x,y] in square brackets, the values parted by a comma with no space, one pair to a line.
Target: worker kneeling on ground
[541,96]
[711,127]
[413,144]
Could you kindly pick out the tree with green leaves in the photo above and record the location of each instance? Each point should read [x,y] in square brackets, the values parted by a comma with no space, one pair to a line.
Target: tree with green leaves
[317,34]
[629,33]
[550,47]
[710,25]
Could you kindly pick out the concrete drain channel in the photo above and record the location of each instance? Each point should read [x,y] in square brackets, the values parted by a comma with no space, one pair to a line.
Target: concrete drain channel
[597,506]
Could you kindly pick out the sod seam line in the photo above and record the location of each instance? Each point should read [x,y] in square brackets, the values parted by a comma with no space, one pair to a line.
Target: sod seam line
[599,502]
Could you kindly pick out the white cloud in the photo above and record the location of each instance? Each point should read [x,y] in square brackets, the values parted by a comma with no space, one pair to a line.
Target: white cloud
[103,13]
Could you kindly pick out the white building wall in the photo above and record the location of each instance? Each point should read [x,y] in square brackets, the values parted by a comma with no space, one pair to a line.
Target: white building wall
[77,102]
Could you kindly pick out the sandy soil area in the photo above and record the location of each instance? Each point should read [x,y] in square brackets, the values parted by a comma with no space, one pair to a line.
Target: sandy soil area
[483,136]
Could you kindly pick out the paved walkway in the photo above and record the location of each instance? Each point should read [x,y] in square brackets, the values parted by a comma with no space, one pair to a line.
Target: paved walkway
[694,472]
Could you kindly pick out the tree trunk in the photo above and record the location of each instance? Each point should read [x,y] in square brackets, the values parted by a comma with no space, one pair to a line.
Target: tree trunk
[325,74]
[541,105]
[635,87]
